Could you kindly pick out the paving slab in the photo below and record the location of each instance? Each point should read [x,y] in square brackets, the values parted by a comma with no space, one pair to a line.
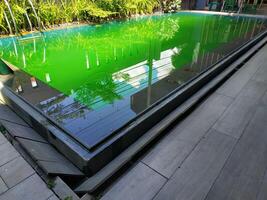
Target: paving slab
[8,153]
[6,114]
[244,171]
[237,116]
[15,171]
[235,188]
[235,84]
[261,74]
[196,125]
[140,183]
[53,197]
[3,186]
[263,101]
[32,188]
[168,155]
[2,139]
[197,174]
[262,193]
[63,191]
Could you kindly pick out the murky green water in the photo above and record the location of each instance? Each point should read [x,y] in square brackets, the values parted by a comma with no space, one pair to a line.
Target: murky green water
[103,76]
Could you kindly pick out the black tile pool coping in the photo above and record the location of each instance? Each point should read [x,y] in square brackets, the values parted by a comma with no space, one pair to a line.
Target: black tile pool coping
[91,161]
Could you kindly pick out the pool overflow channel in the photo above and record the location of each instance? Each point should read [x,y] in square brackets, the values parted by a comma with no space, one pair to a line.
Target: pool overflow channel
[101,161]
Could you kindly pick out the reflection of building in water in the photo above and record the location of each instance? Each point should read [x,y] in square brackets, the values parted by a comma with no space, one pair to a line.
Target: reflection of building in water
[201,58]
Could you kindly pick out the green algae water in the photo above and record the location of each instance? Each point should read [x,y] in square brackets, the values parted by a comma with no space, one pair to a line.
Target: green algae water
[94,79]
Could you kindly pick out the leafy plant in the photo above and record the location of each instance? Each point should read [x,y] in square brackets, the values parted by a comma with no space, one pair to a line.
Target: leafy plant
[53,12]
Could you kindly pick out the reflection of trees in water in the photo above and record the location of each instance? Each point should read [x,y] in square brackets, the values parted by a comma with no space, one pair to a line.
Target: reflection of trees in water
[56,108]
[119,35]
[75,114]
[103,90]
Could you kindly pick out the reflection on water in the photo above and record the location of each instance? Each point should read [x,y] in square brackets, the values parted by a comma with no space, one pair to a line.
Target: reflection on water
[94,79]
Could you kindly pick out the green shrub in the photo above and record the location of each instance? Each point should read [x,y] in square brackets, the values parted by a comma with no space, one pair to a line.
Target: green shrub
[53,12]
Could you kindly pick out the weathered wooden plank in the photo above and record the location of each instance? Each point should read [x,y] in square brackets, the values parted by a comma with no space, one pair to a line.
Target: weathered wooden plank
[197,174]
[237,116]
[242,175]
[140,183]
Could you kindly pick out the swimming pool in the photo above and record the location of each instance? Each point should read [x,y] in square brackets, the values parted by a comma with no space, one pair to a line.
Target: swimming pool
[93,81]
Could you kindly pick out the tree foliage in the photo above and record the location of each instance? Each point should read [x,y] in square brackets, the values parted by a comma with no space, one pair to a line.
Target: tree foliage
[53,12]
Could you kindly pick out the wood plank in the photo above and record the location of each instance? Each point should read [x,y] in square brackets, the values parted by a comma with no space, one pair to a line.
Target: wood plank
[243,173]
[197,174]
[237,116]
[140,183]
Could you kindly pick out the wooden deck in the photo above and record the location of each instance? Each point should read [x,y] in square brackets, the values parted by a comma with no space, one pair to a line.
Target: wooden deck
[219,152]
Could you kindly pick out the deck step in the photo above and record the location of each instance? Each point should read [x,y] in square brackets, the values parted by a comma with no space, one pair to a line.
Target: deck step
[49,159]
[46,156]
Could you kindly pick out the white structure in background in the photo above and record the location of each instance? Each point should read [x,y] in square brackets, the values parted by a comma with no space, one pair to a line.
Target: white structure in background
[137,74]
